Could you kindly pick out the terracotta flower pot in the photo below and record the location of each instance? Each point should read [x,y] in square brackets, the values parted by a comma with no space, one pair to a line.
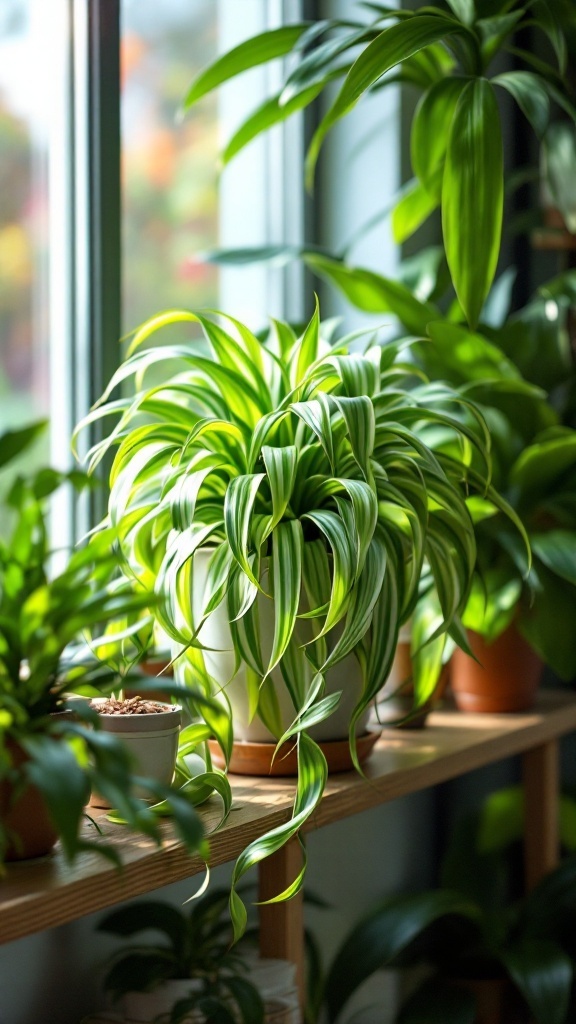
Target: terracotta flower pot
[506,680]
[25,817]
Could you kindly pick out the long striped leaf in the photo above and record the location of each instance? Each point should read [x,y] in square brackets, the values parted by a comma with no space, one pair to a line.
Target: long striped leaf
[358,414]
[238,508]
[331,526]
[287,543]
[307,349]
[364,597]
[312,775]
[365,510]
[281,466]
[316,415]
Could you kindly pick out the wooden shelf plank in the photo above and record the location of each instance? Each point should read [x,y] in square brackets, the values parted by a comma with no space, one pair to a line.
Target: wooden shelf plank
[39,895]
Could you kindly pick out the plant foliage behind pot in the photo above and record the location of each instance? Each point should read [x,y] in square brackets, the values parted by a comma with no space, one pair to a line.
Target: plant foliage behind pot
[476,926]
[41,615]
[446,52]
[316,458]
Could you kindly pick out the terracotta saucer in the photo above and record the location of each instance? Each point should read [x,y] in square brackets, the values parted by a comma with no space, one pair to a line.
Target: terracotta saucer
[256,758]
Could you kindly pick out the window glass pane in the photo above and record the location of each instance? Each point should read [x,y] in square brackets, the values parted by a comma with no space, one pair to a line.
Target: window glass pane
[24,129]
[168,168]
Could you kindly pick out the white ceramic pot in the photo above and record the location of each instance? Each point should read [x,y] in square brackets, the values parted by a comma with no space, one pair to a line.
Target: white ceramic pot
[220,663]
[152,741]
[144,1007]
[275,980]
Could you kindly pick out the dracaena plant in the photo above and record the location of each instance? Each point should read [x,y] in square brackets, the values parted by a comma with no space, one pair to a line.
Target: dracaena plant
[45,616]
[304,468]
[447,53]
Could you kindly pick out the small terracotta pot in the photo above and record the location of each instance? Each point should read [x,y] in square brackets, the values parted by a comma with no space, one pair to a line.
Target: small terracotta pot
[26,819]
[506,680]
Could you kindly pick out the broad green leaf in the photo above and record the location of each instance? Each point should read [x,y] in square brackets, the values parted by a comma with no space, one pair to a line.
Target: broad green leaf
[543,972]
[137,917]
[270,113]
[411,210]
[437,1001]
[465,10]
[319,66]
[257,50]
[557,549]
[547,624]
[560,157]
[541,466]
[14,442]
[374,293]
[384,935]
[494,31]
[467,355]
[54,769]
[431,130]
[392,46]
[530,95]
[472,196]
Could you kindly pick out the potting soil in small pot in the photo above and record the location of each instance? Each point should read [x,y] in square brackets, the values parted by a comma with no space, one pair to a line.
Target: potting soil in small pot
[149,729]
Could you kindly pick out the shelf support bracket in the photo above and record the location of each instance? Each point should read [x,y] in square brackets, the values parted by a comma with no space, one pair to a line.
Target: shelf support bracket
[540,772]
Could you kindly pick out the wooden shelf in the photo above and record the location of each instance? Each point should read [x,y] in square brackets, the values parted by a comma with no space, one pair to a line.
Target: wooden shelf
[42,894]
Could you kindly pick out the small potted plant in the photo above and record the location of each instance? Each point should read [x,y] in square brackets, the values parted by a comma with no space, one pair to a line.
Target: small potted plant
[191,971]
[282,499]
[51,753]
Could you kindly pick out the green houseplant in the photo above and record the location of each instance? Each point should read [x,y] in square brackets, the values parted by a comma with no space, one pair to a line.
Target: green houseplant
[189,967]
[446,52]
[51,751]
[490,955]
[303,467]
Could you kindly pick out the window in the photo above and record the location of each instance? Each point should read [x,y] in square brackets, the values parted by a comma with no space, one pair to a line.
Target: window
[25,126]
[112,78]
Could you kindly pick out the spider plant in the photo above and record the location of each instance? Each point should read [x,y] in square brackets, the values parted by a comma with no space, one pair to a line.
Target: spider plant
[303,467]
[446,52]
